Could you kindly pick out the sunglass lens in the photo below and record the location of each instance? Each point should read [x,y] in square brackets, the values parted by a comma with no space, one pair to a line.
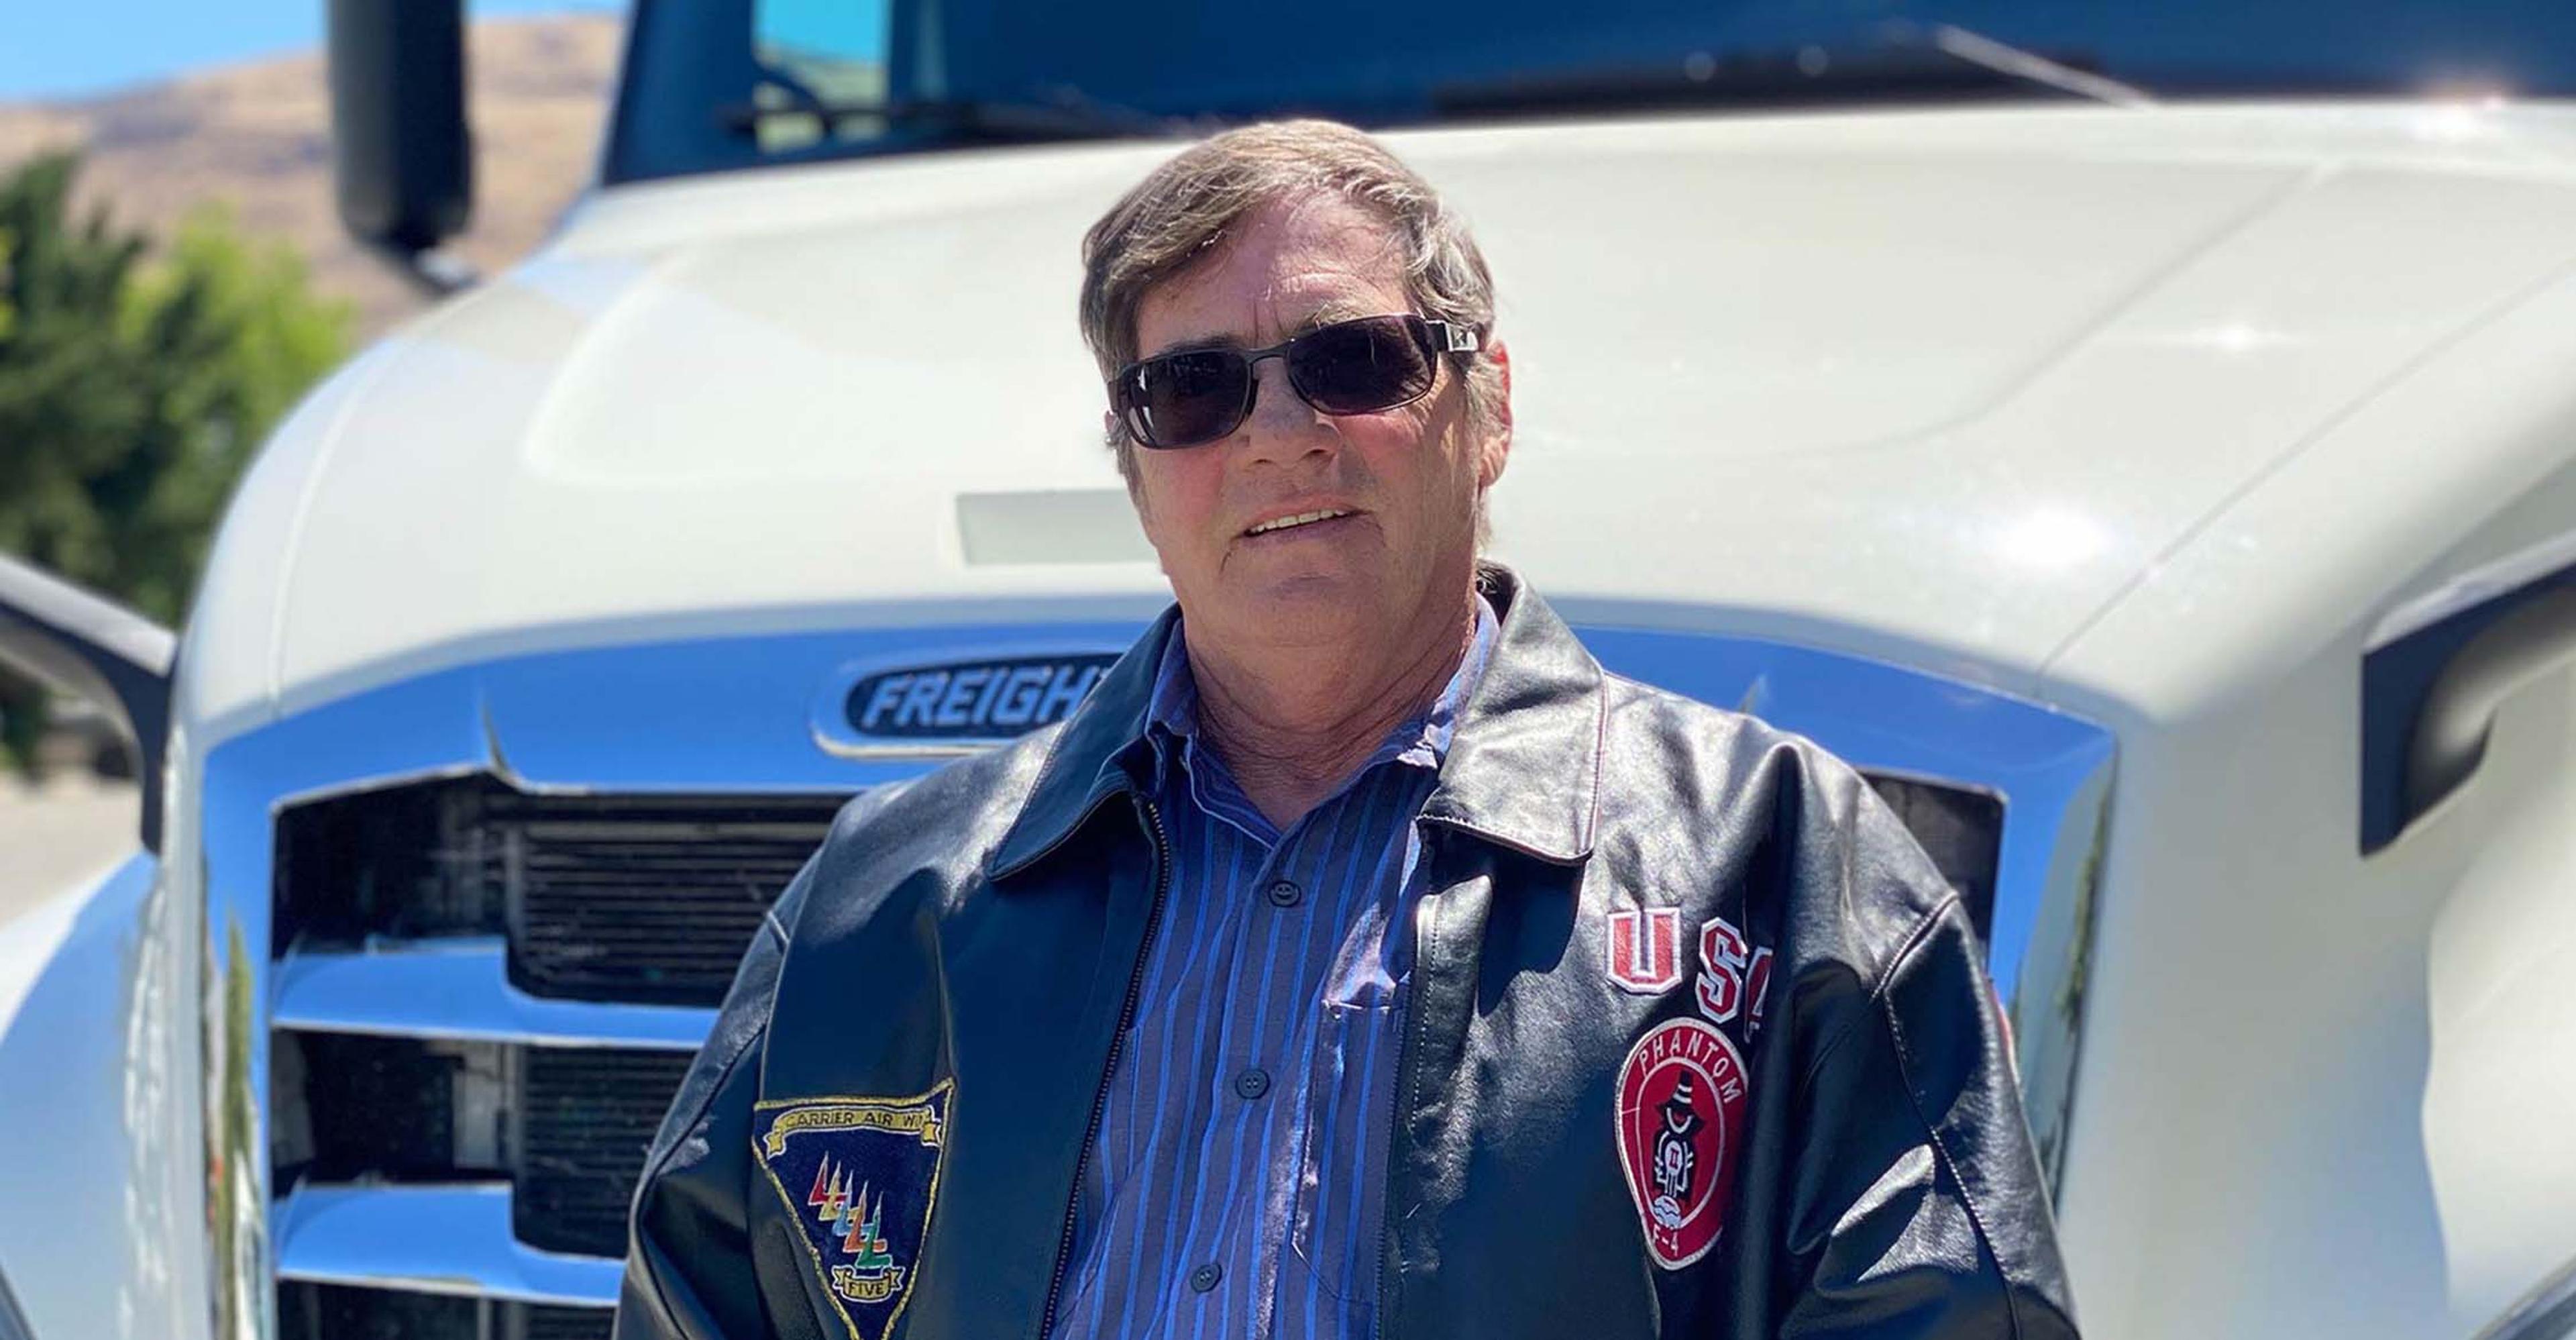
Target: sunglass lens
[1183,399]
[1356,367]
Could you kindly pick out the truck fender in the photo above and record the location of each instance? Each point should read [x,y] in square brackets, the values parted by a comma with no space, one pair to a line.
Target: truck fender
[88,1232]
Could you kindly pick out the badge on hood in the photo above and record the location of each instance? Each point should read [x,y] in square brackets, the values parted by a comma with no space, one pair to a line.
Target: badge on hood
[1681,1115]
[948,706]
[860,1176]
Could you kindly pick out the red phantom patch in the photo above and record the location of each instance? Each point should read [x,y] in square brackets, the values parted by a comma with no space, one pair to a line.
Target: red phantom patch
[1681,1111]
[1645,949]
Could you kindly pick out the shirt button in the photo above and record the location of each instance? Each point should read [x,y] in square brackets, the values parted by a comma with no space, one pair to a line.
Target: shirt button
[1284,893]
[1252,1083]
[1205,1277]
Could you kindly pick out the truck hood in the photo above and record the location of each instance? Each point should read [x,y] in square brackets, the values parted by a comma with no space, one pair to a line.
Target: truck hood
[1936,387]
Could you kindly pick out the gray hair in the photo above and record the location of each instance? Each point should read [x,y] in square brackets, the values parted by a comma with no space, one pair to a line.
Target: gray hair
[1187,209]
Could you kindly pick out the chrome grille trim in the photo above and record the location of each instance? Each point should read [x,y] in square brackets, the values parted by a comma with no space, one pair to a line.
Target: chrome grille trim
[556,722]
[460,990]
[418,730]
[430,1239]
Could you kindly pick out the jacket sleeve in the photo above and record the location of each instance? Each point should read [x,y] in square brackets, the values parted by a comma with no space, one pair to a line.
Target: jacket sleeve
[689,1263]
[1920,1209]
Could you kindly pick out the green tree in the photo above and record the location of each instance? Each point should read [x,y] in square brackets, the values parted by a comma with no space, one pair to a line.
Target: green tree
[134,387]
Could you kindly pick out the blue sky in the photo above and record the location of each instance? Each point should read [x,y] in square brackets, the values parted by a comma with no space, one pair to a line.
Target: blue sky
[66,48]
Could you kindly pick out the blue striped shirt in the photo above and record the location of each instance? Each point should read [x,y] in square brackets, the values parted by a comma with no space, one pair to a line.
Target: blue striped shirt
[1234,1188]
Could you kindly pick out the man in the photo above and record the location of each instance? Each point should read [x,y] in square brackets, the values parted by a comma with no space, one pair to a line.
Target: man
[1360,959]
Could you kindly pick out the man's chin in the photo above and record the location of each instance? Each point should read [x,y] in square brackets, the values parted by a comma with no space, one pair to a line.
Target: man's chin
[1311,607]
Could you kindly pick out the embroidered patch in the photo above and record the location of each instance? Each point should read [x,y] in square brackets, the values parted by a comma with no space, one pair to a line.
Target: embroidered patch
[1645,949]
[861,1177]
[1681,1110]
[1757,988]
[1734,977]
[1723,957]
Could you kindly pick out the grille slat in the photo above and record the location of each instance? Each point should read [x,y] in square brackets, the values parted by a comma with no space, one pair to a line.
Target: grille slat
[585,1120]
[640,898]
[346,1312]
[564,1323]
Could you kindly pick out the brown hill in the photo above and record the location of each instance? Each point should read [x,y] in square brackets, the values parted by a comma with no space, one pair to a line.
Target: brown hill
[258,136]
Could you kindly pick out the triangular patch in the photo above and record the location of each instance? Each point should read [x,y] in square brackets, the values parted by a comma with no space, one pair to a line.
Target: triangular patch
[860,1176]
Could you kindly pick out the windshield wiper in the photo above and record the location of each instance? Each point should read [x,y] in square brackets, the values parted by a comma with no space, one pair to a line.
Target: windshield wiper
[1900,62]
[1072,115]
[2031,67]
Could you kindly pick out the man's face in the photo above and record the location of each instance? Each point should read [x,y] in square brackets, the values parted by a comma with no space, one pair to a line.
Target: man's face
[1401,562]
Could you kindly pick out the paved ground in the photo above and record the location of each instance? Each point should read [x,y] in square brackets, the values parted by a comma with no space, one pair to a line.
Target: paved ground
[69,829]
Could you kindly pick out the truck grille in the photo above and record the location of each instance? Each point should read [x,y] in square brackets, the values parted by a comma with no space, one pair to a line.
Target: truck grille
[627,905]
[642,900]
[563,1323]
[1961,828]
[586,1118]
[339,1312]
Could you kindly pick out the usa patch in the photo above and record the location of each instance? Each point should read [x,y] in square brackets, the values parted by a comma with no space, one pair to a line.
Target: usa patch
[1644,949]
[861,1177]
[1681,1114]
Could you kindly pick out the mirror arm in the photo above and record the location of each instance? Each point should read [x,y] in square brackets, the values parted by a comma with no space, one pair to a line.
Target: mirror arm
[91,647]
[435,273]
[13,1323]
[2547,1312]
[2434,674]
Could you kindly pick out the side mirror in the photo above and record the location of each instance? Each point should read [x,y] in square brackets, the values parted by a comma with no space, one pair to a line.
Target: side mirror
[2548,1312]
[400,148]
[93,648]
[2435,670]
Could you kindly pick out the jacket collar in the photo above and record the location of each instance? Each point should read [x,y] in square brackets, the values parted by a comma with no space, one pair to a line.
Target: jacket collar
[1536,715]
[1524,769]
[1086,766]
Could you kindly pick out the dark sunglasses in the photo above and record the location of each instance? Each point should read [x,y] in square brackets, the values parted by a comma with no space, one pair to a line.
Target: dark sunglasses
[1197,396]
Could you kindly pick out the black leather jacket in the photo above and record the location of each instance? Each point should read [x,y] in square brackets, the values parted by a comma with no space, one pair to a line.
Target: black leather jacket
[954,968]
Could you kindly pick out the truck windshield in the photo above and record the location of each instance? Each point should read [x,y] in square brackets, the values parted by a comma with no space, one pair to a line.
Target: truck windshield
[720,84]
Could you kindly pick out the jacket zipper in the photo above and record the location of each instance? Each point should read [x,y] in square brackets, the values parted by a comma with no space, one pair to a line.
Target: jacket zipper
[1405,1016]
[1117,1044]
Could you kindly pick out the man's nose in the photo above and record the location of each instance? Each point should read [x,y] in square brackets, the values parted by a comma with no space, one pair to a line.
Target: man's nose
[1283,427]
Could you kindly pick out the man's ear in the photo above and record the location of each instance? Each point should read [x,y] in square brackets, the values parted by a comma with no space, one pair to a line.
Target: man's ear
[1496,448]
[1113,435]
[1125,452]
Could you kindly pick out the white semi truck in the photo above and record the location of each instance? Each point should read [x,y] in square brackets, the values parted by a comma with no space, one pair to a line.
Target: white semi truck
[2168,499]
